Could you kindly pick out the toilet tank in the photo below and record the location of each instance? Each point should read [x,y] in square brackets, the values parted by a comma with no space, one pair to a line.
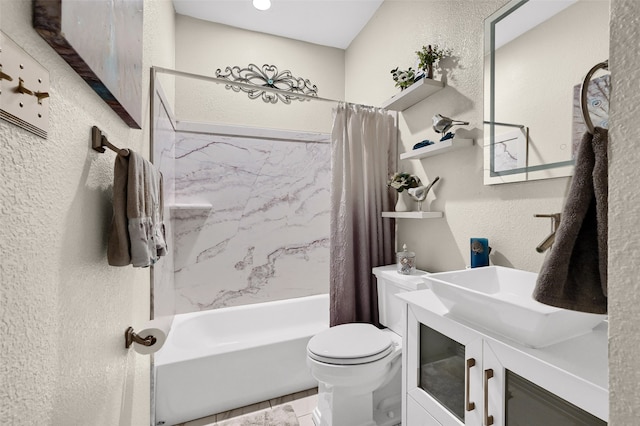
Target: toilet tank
[389,283]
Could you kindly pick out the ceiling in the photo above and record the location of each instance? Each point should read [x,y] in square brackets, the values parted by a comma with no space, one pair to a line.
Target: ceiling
[333,23]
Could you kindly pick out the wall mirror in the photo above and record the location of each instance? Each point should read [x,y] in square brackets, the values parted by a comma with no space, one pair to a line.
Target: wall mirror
[537,53]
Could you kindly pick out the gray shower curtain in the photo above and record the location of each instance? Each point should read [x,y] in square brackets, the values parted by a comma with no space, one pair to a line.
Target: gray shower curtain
[363,155]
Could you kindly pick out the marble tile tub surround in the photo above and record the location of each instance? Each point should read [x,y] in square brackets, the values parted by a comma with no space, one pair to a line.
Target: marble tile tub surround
[266,236]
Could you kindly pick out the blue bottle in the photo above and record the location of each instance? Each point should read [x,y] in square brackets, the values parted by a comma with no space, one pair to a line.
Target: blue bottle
[480,252]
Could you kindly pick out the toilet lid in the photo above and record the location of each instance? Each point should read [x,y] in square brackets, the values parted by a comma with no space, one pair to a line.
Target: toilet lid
[350,344]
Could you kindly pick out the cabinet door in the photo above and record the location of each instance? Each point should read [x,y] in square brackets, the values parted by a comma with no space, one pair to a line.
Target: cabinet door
[438,372]
[442,370]
[514,400]
[527,404]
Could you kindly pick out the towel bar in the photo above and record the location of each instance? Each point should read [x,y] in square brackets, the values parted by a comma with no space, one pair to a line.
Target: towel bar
[583,93]
[99,141]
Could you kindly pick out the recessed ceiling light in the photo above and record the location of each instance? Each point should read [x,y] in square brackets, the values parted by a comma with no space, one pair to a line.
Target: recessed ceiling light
[262,4]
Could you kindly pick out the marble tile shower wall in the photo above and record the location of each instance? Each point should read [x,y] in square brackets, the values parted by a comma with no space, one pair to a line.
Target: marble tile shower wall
[266,235]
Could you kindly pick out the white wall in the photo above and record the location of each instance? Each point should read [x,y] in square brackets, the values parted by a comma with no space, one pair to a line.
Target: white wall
[203,47]
[63,309]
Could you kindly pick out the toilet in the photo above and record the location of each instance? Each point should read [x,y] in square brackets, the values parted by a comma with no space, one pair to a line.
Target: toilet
[358,366]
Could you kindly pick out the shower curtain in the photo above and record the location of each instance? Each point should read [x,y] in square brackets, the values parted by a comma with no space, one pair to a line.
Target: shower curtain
[363,155]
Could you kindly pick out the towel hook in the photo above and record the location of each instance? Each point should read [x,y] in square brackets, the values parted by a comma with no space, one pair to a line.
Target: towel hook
[583,94]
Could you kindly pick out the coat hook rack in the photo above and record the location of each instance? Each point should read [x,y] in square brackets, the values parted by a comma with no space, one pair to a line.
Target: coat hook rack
[130,337]
[4,76]
[99,141]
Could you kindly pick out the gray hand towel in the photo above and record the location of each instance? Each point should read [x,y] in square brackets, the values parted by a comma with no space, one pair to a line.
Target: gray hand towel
[137,230]
[574,274]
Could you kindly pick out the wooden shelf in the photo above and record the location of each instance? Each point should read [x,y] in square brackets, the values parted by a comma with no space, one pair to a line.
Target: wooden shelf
[437,148]
[410,96]
[413,215]
[191,206]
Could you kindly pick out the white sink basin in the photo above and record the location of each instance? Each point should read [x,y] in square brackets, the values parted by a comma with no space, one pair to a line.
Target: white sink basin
[499,300]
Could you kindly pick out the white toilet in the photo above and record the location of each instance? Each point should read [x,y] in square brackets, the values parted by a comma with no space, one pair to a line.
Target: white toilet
[358,366]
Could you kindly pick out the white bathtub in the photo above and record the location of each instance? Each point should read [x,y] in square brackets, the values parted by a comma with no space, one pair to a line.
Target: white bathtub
[227,358]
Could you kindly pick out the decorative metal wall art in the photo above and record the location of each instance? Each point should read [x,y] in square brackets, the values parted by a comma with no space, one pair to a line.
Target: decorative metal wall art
[268,76]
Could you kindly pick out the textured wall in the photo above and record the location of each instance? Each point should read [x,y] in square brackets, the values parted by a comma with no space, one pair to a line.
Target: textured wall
[63,309]
[203,47]
[624,214]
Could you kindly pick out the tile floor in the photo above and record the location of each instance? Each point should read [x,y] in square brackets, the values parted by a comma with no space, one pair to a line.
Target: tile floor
[303,404]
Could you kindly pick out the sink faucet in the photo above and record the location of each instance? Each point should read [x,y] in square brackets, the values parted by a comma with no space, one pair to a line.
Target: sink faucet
[548,241]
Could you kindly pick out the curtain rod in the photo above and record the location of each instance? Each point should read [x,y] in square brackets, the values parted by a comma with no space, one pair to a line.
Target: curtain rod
[247,86]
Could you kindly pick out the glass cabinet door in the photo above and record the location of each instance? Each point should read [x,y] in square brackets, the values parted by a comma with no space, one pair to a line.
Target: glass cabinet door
[527,404]
[442,370]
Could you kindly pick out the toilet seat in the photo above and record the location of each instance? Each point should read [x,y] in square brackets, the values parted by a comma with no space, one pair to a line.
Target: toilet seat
[350,344]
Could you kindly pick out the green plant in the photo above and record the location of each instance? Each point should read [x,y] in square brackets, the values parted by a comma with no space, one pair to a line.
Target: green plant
[401,181]
[430,55]
[403,79]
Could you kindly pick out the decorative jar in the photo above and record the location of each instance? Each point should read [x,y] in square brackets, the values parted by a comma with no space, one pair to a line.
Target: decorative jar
[406,261]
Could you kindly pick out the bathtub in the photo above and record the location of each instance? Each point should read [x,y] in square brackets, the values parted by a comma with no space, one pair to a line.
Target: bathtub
[226,358]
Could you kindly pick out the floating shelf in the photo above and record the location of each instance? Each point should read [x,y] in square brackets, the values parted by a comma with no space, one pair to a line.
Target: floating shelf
[191,206]
[437,148]
[413,215]
[410,96]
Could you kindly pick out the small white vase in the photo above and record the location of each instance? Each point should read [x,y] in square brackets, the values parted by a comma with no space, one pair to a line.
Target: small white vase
[404,202]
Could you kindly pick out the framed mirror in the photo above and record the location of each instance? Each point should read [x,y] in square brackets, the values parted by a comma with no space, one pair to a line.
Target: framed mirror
[537,53]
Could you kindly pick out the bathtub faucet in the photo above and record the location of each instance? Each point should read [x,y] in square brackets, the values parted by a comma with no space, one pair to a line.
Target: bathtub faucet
[548,241]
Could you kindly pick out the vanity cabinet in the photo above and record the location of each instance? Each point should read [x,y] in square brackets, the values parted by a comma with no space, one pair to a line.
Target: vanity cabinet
[460,375]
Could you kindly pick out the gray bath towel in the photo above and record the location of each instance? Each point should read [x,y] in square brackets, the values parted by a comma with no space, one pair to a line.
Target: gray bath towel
[137,230]
[574,274]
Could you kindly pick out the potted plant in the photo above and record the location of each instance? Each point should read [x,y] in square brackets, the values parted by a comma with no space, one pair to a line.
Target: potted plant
[402,78]
[429,56]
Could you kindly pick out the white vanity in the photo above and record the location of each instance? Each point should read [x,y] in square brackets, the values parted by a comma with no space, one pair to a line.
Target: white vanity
[457,373]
